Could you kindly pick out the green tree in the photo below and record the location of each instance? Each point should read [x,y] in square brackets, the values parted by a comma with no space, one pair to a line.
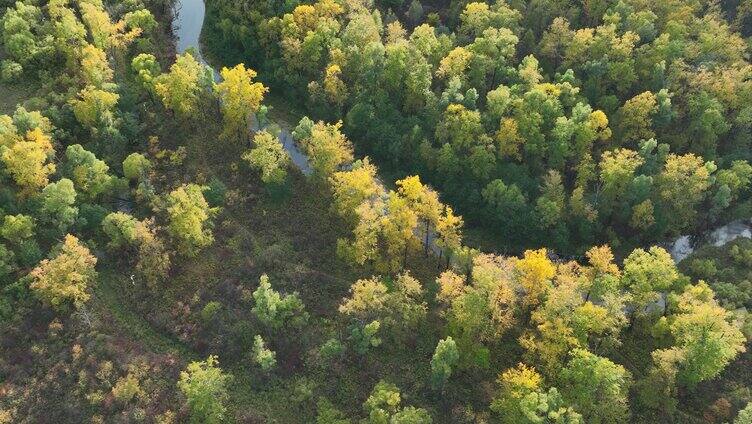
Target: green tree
[58,199]
[89,174]
[262,356]
[706,335]
[190,218]
[136,166]
[276,310]
[383,406]
[205,387]
[444,359]
[16,228]
[648,274]
[269,157]
[596,387]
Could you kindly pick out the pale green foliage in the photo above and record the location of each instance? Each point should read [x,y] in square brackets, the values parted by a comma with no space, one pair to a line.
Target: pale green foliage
[57,203]
[205,387]
[548,408]
[263,356]
[269,157]
[190,218]
[707,336]
[443,361]
[646,274]
[120,228]
[383,407]
[89,174]
[399,309]
[135,166]
[276,310]
[745,415]
[147,68]
[16,228]
[596,387]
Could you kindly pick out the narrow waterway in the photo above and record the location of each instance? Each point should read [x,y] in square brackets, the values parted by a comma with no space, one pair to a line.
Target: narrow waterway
[189,20]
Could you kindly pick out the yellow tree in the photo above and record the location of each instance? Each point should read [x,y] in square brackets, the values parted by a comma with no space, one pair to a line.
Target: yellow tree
[94,106]
[179,89]
[534,273]
[190,216]
[240,97]
[327,148]
[65,278]
[26,160]
[351,188]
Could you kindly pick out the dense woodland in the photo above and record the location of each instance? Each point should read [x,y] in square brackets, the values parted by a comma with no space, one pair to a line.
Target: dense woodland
[480,237]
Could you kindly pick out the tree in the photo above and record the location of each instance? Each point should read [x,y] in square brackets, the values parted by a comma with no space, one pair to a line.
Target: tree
[706,335]
[179,89]
[205,387]
[88,173]
[94,68]
[515,385]
[682,185]
[596,387]
[548,408]
[351,188]
[635,118]
[147,70]
[276,310]
[65,279]
[269,157]
[444,359]
[17,228]
[745,415]
[26,160]
[399,308]
[190,218]
[383,406]
[262,356]
[94,107]
[239,98]
[534,272]
[58,199]
[647,274]
[136,166]
[326,147]
[120,227]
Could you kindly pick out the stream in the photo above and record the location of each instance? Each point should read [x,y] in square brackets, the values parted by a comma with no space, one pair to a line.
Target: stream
[189,20]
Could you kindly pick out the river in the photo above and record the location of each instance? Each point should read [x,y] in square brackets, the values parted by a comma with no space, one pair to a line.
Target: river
[189,20]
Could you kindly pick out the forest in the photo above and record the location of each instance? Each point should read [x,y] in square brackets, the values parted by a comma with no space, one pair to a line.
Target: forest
[375,211]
